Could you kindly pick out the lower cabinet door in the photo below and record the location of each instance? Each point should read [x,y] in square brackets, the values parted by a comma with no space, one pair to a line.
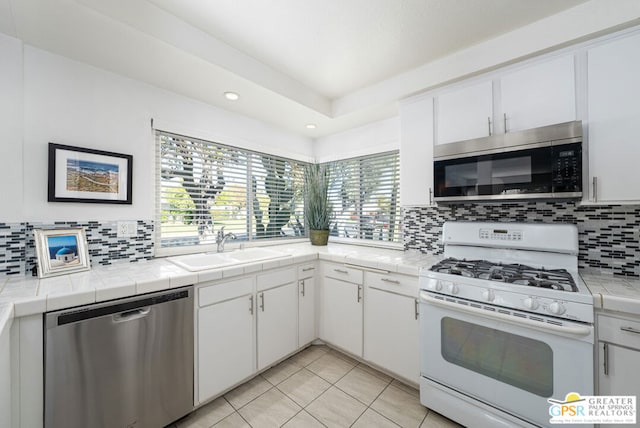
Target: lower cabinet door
[391,333]
[226,347]
[277,310]
[618,373]
[342,315]
[306,311]
[621,376]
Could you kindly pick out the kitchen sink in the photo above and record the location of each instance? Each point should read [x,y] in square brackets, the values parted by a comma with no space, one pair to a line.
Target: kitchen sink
[204,261]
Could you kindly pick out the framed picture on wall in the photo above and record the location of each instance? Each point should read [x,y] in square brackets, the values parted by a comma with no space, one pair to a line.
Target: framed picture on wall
[78,174]
[61,251]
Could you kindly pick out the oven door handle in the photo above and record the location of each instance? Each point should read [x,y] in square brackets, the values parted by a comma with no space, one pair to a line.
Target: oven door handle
[576,330]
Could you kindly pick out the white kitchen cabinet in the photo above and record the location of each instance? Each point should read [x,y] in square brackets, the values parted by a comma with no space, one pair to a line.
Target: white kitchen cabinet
[391,327]
[277,316]
[416,151]
[538,94]
[613,112]
[618,356]
[306,304]
[465,112]
[342,303]
[226,337]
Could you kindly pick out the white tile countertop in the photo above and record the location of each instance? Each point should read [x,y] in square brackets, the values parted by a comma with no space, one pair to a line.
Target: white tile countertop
[614,293]
[22,296]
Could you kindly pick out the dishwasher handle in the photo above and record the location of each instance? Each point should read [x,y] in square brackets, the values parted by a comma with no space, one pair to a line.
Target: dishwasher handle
[131,315]
[121,310]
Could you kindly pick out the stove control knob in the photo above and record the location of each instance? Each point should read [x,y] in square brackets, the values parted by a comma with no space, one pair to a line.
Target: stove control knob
[488,295]
[437,285]
[453,288]
[556,308]
[531,303]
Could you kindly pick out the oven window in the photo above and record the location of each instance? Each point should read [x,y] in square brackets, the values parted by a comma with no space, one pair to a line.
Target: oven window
[516,360]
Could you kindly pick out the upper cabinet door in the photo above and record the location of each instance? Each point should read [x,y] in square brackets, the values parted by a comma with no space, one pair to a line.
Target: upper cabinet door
[538,95]
[416,152]
[465,113]
[614,120]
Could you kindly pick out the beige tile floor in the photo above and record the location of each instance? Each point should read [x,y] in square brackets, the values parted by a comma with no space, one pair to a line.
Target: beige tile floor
[318,387]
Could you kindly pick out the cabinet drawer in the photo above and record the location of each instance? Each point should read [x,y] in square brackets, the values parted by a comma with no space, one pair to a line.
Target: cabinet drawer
[275,278]
[224,291]
[306,271]
[343,273]
[623,332]
[401,284]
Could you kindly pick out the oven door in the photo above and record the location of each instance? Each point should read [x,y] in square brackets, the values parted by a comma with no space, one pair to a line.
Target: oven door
[509,363]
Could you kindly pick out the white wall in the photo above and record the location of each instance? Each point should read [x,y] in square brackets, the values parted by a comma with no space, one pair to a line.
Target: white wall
[67,102]
[376,137]
[10,129]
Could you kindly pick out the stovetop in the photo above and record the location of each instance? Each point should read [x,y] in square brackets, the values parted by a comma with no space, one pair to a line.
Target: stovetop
[553,279]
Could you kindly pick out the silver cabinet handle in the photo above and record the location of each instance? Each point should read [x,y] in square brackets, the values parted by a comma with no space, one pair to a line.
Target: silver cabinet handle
[359,293]
[505,123]
[341,271]
[415,307]
[307,269]
[630,330]
[595,189]
[605,363]
[302,288]
[391,281]
[430,196]
[489,125]
[262,301]
[251,304]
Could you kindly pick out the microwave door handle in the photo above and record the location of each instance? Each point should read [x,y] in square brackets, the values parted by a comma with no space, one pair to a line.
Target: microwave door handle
[549,328]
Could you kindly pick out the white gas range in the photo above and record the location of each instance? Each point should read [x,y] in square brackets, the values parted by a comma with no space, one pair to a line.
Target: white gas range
[506,324]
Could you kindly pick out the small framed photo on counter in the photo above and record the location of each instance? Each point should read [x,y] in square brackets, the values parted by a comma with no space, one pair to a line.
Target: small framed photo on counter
[61,251]
[78,174]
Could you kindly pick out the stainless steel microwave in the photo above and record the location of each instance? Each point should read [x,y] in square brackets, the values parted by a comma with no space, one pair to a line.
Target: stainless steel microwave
[540,163]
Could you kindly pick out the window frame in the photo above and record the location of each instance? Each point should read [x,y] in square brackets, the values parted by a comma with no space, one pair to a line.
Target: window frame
[396,244]
[250,220]
[161,251]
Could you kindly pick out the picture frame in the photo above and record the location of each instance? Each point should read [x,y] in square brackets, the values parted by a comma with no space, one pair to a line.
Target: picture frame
[61,251]
[79,174]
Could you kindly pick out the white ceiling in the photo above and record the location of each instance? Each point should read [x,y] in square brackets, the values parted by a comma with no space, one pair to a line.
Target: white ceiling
[292,61]
[336,47]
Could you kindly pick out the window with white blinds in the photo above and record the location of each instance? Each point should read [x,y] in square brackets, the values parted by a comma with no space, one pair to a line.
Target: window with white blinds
[365,195]
[204,186]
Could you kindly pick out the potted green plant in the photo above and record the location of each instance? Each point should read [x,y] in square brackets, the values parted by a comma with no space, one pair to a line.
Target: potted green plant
[317,210]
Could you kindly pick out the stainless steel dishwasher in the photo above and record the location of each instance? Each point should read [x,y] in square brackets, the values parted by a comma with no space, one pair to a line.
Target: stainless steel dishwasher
[126,363]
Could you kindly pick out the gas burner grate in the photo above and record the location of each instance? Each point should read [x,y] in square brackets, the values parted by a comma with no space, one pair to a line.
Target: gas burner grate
[555,279]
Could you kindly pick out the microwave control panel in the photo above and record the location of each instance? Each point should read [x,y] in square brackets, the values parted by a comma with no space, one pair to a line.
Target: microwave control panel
[567,168]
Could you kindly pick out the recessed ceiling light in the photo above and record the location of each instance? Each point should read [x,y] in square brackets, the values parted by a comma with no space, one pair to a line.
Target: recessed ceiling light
[310,126]
[231,96]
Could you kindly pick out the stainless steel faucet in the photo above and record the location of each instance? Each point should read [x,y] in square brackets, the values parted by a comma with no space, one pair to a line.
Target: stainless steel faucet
[221,238]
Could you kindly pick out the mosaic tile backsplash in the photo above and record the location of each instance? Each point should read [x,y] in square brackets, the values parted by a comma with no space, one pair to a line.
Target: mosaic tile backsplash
[609,235]
[18,252]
